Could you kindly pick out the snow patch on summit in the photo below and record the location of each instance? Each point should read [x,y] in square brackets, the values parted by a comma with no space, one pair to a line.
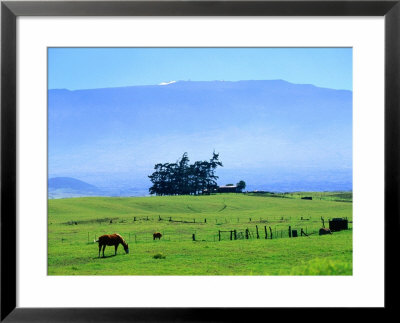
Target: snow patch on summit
[167,83]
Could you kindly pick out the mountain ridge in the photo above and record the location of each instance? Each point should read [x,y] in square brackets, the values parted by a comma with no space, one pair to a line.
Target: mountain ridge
[168,83]
[275,126]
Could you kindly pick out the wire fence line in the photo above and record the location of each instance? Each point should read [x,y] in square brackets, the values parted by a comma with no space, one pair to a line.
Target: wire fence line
[226,228]
[211,235]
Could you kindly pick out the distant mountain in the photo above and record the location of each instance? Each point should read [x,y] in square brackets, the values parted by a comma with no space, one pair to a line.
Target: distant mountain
[63,187]
[79,117]
[267,131]
[69,183]
[70,187]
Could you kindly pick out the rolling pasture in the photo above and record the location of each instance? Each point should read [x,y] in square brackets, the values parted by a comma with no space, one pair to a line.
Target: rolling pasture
[74,223]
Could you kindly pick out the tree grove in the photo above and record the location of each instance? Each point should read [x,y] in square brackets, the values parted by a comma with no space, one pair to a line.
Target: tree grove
[182,178]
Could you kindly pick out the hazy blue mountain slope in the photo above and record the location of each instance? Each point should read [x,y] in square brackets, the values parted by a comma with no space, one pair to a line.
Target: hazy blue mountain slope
[70,187]
[114,136]
[61,187]
[69,183]
[192,106]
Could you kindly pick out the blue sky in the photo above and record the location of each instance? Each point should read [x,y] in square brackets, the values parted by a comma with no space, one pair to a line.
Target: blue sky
[90,68]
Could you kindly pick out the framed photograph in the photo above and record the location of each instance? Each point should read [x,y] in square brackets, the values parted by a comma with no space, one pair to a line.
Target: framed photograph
[178,160]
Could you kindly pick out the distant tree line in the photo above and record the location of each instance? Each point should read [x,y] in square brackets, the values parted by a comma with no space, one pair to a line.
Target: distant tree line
[182,178]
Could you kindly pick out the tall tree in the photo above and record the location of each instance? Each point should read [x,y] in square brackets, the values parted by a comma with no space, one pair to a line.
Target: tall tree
[211,178]
[241,186]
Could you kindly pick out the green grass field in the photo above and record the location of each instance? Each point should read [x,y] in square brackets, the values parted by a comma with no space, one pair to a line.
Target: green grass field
[74,223]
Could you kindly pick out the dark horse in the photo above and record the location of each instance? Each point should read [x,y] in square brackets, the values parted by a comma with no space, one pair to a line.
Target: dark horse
[157,235]
[111,240]
[323,231]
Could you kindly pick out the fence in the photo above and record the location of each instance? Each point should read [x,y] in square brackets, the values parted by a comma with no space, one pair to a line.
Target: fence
[266,232]
[211,235]
[201,229]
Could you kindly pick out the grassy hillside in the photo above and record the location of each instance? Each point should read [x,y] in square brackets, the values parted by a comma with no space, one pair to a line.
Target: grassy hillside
[75,223]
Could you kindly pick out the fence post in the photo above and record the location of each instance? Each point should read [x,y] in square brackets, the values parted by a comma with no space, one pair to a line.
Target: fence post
[231,234]
[159,218]
[205,220]
[266,232]
[219,235]
[193,237]
[170,218]
[290,231]
[270,231]
[247,233]
[134,218]
[323,222]
[234,232]
[258,236]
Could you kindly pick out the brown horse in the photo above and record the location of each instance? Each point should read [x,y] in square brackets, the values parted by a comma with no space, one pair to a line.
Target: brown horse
[112,240]
[157,235]
[323,231]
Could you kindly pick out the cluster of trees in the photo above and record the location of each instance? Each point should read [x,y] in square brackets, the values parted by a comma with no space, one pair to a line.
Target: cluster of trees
[182,178]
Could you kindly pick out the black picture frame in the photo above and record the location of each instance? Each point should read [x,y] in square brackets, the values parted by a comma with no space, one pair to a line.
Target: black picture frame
[10,10]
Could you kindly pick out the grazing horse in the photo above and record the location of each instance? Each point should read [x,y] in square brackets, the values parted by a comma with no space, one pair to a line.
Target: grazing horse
[111,240]
[157,235]
[323,231]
